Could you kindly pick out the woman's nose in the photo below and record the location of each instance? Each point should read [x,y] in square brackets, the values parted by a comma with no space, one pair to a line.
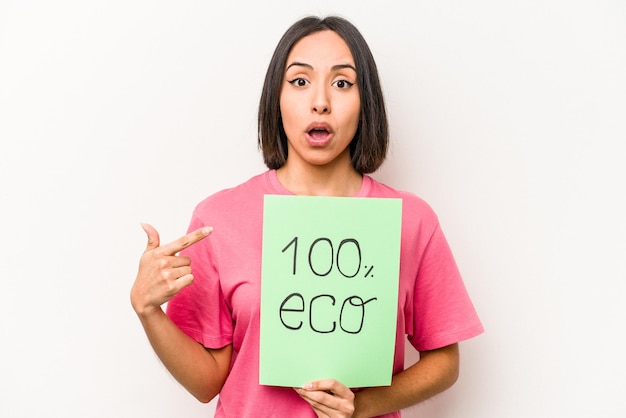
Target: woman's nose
[321,102]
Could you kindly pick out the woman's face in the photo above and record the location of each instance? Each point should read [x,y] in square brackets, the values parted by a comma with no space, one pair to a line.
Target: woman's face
[319,101]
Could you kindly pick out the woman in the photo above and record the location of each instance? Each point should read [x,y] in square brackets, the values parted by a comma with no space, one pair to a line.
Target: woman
[322,128]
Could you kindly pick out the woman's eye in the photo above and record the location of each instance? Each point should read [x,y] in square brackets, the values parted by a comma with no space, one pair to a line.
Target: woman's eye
[343,84]
[298,82]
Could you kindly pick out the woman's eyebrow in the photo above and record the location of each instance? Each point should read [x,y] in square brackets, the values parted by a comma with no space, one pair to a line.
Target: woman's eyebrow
[334,67]
[299,64]
[342,66]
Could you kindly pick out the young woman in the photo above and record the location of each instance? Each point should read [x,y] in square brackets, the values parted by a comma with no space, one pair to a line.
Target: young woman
[322,128]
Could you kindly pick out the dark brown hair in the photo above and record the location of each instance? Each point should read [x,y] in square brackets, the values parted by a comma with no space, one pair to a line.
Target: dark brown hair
[369,145]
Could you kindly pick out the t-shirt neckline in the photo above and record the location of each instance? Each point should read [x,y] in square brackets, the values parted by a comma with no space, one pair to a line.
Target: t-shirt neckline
[278,188]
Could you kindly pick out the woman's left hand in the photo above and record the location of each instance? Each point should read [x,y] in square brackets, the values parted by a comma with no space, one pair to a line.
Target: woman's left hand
[328,398]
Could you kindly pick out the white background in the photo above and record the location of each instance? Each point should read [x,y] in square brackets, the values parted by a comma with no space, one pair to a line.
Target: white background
[507,117]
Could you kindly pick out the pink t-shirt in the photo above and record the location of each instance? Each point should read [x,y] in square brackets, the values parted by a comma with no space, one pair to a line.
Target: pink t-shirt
[222,306]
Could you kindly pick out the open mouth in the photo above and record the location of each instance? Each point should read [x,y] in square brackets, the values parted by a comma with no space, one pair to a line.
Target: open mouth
[318,133]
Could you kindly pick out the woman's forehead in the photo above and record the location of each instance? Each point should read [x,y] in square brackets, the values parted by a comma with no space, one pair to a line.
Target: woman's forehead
[325,47]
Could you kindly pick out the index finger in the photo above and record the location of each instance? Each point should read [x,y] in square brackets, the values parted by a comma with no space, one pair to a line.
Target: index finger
[329,385]
[186,240]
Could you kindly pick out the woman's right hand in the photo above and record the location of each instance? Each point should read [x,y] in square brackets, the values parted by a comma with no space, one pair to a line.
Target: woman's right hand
[162,272]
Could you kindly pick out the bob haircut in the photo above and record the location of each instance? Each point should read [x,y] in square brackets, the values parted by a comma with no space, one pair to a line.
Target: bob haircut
[371,140]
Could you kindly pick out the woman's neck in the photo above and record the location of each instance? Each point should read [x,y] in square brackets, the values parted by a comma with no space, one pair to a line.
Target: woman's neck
[310,180]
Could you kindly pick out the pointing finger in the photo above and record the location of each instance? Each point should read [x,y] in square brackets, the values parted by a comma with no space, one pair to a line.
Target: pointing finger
[187,240]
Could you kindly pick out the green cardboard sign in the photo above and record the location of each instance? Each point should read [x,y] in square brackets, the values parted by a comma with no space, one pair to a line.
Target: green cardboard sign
[329,291]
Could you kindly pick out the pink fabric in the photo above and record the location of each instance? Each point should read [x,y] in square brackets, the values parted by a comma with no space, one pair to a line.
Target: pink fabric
[223,304]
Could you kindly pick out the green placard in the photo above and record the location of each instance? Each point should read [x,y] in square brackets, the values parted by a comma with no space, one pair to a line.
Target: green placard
[329,291]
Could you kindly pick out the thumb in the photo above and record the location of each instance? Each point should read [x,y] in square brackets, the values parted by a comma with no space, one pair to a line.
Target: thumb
[153,236]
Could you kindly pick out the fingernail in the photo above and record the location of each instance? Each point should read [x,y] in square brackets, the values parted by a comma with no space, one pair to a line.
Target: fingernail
[207,230]
[308,385]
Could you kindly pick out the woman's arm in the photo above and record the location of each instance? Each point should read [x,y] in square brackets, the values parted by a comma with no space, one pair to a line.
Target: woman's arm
[200,370]
[162,274]
[435,372]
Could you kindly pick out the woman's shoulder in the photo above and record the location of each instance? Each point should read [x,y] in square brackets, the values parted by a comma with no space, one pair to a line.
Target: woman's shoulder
[246,194]
[411,202]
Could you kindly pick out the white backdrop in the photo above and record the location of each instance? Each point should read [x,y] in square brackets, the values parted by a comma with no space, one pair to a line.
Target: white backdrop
[508,117]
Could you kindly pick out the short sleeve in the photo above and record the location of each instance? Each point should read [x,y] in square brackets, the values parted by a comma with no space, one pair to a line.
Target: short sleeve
[443,312]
